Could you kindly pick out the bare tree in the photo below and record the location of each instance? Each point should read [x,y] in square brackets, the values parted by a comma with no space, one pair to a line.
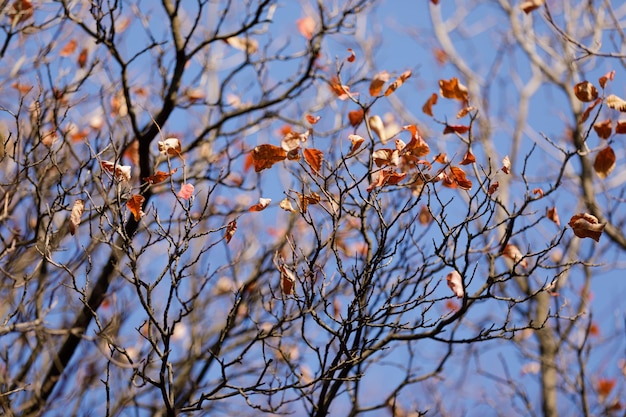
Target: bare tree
[226,207]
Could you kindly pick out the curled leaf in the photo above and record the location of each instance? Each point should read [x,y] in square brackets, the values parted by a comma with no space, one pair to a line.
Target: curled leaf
[604,162]
[453,89]
[506,165]
[159,176]
[585,91]
[231,228]
[376,124]
[119,172]
[530,5]
[261,205]
[77,212]
[460,129]
[170,146]
[513,253]
[356,143]
[469,158]
[398,82]
[264,156]
[186,191]
[616,103]
[586,225]
[135,204]
[377,83]
[313,158]
[312,119]
[538,192]
[306,26]
[352,56]
[287,280]
[286,205]
[458,176]
[355,117]
[604,129]
[455,282]
[609,76]
[554,216]
[427,108]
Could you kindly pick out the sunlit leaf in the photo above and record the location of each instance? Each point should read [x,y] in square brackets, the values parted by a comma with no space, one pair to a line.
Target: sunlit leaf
[249,45]
[356,141]
[292,140]
[306,26]
[465,111]
[170,146]
[453,89]
[620,127]
[609,76]
[261,205]
[538,192]
[469,158]
[554,216]
[530,5]
[459,177]
[135,204]
[604,129]
[231,228]
[455,283]
[377,83]
[341,91]
[587,112]
[159,176]
[513,253]
[82,58]
[616,103]
[313,158]
[398,82]
[69,48]
[264,156]
[506,165]
[312,119]
[352,56]
[585,91]
[377,126]
[119,172]
[355,117]
[77,212]
[286,205]
[385,156]
[604,162]
[586,225]
[427,108]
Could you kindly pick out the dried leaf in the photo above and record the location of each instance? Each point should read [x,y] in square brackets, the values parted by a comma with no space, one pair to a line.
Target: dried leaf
[312,119]
[427,108]
[313,158]
[379,80]
[231,228]
[77,212]
[82,58]
[355,117]
[119,172]
[605,386]
[356,143]
[425,218]
[306,199]
[292,140]
[306,26]
[585,115]
[377,126]
[554,216]
[352,56]
[287,281]
[513,253]
[261,205]
[69,48]
[493,187]
[186,191]
[341,91]
[286,205]
[506,165]
[460,129]
[609,76]
[615,102]
[386,156]
[249,45]
[455,282]
[585,91]
[538,192]
[604,129]
[469,158]
[170,146]
[385,177]
[530,5]
[264,156]
[398,82]
[465,111]
[604,162]
[20,11]
[159,176]
[586,225]
[459,177]
[135,204]
[453,89]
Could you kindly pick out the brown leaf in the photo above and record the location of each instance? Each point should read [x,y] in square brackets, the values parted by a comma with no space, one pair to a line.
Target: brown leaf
[506,165]
[427,108]
[314,158]
[605,162]
[530,5]
[261,205]
[417,147]
[538,192]
[379,80]
[453,89]
[493,187]
[620,127]
[460,129]
[377,126]
[554,216]
[585,91]
[585,115]
[20,11]
[312,119]
[352,56]
[398,82]
[355,117]
[341,91]
[135,204]
[609,76]
[306,199]
[231,228]
[69,48]
[386,156]
[170,146]
[586,225]
[604,129]
[264,156]
[356,143]
[306,26]
[513,253]
[77,212]
[385,177]
[615,102]
[425,218]
[119,172]
[287,281]
[465,111]
[292,140]
[159,176]
[469,158]
[82,58]
[459,177]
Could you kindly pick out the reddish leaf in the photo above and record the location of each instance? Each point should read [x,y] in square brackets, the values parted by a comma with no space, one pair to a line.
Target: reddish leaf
[604,162]
[554,216]
[427,108]
[605,386]
[620,127]
[306,26]
[425,217]
[538,192]
[377,83]
[159,176]
[417,147]
[609,76]
[355,117]
[287,281]
[585,91]
[586,225]
[493,187]
[506,165]
[264,156]
[453,89]
[341,91]
[261,205]
[398,82]
[603,129]
[186,191]
[312,119]
[135,204]
[460,129]
[356,143]
[458,176]
[352,56]
[82,58]
[20,11]
[77,212]
[455,282]
[314,158]
[231,228]
[69,48]
[385,177]
[513,253]
[585,115]
[469,158]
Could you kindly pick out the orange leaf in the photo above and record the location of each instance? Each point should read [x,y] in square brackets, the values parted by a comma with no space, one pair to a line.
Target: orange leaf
[352,56]
[231,228]
[538,192]
[427,108]
[465,111]
[355,117]
[493,187]
[186,191]
[554,216]
[469,158]
[620,127]
[530,5]
[341,91]
[261,205]
[417,147]
[586,225]
[585,91]
[69,48]
[398,82]
[605,386]
[134,204]
[440,56]
[82,58]
[453,89]
[460,129]
[264,156]
[379,80]
[312,119]
[585,115]
[356,143]
[603,129]
[425,217]
[615,102]
[385,177]
[458,176]
[605,162]
[609,76]
[513,253]
[306,26]
[314,158]
[159,176]
[441,158]
[77,212]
